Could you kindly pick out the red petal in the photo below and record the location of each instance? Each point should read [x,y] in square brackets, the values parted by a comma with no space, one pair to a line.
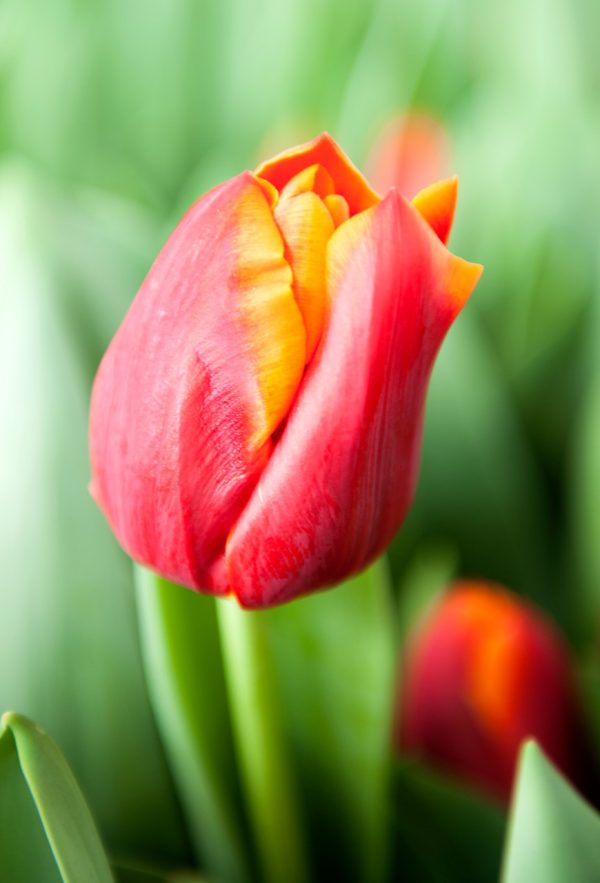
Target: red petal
[194,383]
[343,474]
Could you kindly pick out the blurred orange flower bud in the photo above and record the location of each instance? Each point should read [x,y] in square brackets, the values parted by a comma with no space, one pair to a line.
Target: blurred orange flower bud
[411,151]
[484,672]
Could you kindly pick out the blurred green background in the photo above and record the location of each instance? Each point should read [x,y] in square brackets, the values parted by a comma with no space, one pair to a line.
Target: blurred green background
[116,116]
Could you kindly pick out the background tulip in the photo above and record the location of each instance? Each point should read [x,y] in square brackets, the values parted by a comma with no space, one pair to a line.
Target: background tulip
[483,673]
[256,421]
[411,151]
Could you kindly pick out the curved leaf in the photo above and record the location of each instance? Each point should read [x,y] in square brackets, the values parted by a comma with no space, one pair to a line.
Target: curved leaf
[64,814]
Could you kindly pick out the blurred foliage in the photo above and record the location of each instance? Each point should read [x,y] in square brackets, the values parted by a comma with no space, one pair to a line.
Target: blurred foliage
[114,117]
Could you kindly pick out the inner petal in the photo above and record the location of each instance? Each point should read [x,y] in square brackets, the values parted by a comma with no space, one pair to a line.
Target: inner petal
[315,178]
[338,208]
[268,313]
[324,151]
[307,225]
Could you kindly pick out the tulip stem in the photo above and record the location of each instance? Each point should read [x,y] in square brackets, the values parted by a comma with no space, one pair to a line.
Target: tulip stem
[265,766]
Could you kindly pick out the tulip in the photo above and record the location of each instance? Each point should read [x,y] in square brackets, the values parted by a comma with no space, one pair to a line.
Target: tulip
[483,673]
[410,151]
[255,423]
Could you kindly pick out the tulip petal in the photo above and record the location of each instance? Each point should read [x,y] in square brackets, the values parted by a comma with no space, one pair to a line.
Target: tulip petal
[196,380]
[338,208]
[343,473]
[322,150]
[307,225]
[436,204]
[315,178]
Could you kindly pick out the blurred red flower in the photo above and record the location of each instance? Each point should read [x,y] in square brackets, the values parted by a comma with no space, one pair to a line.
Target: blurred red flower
[484,672]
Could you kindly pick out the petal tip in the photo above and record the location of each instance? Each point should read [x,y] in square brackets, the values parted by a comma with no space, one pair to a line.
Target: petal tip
[437,204]
[463,278]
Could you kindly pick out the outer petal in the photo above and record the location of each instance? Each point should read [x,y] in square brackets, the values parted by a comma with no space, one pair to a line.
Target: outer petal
[322,150]
[197,378]
[344,471]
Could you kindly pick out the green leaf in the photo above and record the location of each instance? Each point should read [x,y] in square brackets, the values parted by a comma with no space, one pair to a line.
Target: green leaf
[442,832]
[184,670]
[335,657]
[63,812]
[554,835]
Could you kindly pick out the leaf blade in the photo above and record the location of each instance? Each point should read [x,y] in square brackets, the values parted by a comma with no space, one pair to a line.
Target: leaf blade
[67,821]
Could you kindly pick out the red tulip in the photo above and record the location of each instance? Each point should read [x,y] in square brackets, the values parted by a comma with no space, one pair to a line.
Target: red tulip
[256,420]
[486,671]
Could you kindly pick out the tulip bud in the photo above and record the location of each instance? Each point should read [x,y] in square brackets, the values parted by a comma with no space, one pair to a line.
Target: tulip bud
[411,151]
[484,672]
[255,423]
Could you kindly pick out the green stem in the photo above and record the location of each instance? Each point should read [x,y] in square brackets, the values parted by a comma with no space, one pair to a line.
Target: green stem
[182,659]
[262,750]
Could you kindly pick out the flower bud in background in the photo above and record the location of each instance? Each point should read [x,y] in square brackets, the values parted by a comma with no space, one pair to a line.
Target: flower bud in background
[256,421]
[410,151]
[484,672]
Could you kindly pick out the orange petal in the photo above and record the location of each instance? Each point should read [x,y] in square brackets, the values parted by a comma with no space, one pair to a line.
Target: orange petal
[324,151]
[267,310]
[436,204]
[306,225]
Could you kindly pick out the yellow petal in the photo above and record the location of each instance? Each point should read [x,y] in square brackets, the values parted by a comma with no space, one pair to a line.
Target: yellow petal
[307,225]
[268,312]
[338,208]
[315,178]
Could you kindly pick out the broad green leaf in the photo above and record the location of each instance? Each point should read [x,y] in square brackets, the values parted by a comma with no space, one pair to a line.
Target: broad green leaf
[69,655]
[554,835]
[184,670]
[442,832]
[334,655]
[67,822]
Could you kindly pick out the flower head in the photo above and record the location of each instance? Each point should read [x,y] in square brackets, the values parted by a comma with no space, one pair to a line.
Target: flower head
[485,672]
[255,423]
